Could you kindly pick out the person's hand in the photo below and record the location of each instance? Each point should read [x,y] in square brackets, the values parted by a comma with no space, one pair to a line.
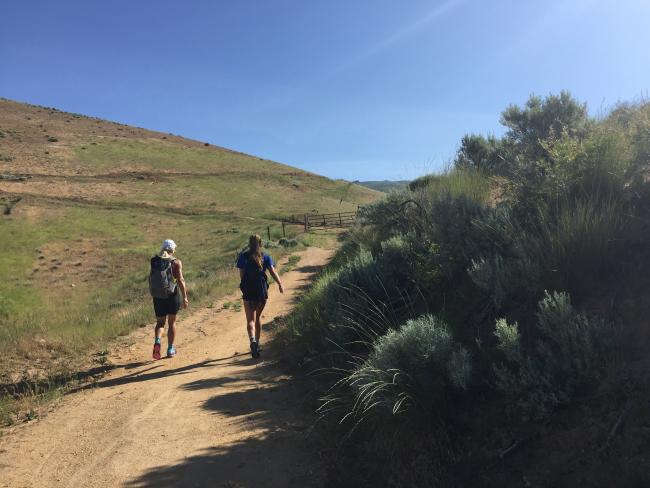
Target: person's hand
[281,287]
[186,302]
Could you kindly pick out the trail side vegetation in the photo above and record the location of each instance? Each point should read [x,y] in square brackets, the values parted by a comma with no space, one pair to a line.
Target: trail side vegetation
[482,326]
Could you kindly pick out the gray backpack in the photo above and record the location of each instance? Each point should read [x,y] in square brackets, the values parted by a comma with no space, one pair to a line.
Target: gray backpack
[161,278]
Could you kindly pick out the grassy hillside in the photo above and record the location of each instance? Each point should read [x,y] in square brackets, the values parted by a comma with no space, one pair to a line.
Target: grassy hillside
[86,202]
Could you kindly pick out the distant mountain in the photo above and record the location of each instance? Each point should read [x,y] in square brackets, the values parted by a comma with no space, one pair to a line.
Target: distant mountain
[385,185]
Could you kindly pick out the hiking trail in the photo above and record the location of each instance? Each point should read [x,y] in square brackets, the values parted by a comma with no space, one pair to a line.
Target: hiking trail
[211,416]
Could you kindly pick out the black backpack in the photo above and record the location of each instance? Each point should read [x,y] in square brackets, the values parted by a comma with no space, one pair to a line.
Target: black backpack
[161,278]
[254,282]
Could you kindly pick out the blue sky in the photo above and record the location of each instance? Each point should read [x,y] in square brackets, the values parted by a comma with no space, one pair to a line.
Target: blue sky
[366,89]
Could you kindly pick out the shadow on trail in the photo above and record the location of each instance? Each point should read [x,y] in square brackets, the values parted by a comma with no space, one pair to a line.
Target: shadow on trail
[148,375]
[30,386]
[309,271]
[268,445]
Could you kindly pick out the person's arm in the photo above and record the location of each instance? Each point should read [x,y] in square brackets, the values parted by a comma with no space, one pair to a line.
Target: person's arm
[276,277]
[241,266]
[177,271]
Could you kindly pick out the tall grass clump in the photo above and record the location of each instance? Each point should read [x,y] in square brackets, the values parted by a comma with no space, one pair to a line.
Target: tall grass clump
[472,183]
[320,320]
[356,299]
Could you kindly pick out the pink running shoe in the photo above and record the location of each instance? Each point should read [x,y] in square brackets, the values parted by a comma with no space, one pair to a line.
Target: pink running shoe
[156,351]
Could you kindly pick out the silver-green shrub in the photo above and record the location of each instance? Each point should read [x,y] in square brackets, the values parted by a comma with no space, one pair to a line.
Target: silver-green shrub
[569,353]
[411,370]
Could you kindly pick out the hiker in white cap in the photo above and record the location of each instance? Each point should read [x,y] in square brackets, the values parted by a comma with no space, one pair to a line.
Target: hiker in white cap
[167,287]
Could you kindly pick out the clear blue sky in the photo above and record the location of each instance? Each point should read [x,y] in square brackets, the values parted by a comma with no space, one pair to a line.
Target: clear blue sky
[364,89]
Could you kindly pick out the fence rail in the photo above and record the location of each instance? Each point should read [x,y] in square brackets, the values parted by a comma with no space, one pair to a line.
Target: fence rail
[340,219]
[334,220]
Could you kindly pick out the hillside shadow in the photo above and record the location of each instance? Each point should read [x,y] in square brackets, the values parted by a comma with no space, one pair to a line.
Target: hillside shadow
[269,447]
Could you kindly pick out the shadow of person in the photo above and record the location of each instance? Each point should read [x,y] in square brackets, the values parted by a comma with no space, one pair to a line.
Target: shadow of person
[268,447]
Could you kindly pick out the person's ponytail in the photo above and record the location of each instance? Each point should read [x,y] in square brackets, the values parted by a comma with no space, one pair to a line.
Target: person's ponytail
[255,250]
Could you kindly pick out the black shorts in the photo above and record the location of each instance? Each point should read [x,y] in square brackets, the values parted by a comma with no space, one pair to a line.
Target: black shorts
[168,306]
[258,293]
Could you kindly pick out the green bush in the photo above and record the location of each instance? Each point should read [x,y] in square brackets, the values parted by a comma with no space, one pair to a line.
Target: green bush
[573,244]
[451,234]
[410,371]
[388,217]
[569,354]
[395,262]
[481,153]
[539,119]
[284,242]
[557,203]
[270,244]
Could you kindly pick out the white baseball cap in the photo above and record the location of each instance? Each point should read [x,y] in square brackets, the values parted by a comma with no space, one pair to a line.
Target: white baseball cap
[168,245]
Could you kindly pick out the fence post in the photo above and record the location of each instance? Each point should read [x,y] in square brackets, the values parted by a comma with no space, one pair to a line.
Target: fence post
[284,234]
[340,222]
[269,231]
[306,223]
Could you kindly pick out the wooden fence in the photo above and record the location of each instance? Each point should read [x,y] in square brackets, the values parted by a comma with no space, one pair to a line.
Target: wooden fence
[340,219]
[311,221]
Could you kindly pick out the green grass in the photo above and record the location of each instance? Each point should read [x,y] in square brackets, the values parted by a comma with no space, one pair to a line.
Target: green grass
[111,153]
[44,306]
[294,259]
[234,305]
[273,196]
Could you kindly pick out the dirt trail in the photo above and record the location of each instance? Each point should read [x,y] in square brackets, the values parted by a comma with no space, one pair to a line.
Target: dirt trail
[212,416]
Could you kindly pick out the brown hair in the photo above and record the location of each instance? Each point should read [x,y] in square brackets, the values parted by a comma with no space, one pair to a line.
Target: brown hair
[255,249]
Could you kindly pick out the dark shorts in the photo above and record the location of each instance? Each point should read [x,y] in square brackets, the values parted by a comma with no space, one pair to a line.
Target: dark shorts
[168,306]
[254,293]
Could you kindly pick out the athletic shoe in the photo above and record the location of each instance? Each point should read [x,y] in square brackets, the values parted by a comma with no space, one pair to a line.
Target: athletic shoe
[156,351]
[255,350]
[171,352]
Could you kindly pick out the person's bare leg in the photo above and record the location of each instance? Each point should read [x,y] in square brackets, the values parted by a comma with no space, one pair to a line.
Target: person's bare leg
[171,331]
[249,309]
[160,325]
[258,316]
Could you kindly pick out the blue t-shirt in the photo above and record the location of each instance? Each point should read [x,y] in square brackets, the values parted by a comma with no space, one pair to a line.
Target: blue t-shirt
[267,261]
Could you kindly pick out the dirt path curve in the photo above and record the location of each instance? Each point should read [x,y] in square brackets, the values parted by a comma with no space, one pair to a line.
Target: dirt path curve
[210,417]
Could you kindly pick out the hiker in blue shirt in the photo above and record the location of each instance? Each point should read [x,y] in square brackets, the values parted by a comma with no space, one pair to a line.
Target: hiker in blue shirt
[254,285]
